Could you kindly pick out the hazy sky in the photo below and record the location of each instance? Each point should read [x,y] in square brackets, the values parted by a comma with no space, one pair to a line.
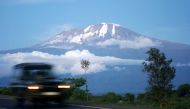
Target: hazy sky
[27,22]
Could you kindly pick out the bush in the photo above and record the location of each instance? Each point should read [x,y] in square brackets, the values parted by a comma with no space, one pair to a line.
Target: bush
[129,98]
[179,103]
[111,97]
[5,91]
[183,90]
[78,94]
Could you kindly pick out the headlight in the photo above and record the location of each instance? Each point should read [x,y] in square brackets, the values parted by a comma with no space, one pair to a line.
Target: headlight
[33,87]
[64,86]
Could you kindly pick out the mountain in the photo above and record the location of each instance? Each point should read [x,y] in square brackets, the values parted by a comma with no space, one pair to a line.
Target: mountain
[116,54]
[90,34]
[98,35]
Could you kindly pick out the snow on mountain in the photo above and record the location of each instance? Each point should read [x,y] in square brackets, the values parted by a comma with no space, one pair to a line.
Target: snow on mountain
[104,34]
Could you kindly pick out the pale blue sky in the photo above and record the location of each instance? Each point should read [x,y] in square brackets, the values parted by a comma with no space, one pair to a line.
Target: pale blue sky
[27,22]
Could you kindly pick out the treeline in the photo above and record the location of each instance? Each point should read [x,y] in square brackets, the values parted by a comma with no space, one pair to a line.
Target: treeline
[77,93]
[178,99]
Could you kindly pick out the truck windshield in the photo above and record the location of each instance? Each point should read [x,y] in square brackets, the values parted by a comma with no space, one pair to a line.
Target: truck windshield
[42,74]
[37,74]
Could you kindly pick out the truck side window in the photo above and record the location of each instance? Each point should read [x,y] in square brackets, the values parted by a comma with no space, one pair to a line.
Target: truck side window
[17,73]
[25,75]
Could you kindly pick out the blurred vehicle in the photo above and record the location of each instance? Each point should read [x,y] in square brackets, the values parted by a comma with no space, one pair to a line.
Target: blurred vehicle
[36,82]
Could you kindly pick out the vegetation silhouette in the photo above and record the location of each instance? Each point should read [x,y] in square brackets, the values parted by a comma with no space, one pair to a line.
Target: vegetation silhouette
[160,75]
[85,65]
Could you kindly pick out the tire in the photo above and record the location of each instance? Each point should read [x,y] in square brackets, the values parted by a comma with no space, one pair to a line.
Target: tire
[60,102]
[20,102]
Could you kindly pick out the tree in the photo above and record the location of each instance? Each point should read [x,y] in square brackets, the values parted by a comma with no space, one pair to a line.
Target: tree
[85,65]
[183,90]
[160,74]
[76,93]
[129,97]
[111,97]
[76,82]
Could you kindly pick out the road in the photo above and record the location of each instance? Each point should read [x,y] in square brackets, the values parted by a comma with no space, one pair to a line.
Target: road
[7,102]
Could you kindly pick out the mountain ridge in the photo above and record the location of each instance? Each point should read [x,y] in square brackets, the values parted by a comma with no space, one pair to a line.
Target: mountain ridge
[93,33]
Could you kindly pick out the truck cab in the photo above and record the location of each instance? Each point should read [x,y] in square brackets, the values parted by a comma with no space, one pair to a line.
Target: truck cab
[37,83]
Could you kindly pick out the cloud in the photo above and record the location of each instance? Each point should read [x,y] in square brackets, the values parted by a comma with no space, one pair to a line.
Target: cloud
[137,43]
[70,61]
[183,64]
[118,68]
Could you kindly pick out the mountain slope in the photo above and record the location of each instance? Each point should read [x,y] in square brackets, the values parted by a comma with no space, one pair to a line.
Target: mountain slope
[115,53]
[100,34]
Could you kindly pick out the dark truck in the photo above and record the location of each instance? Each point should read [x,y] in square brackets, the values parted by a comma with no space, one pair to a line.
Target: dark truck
[36,82]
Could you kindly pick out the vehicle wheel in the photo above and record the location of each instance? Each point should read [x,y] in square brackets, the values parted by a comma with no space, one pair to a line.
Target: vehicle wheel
[20,102]
[60,102]
[35,102]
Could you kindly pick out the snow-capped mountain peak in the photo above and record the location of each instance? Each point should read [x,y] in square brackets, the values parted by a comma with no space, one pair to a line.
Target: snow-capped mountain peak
[98,34]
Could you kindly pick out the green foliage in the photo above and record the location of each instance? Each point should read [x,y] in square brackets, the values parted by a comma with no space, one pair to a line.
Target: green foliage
[173,102]
[111,97]
[129,98]
[5,91]
[145,99]
[160,75]
[78,95]
[183,90]
[179,103]
[76,82]
[140,97]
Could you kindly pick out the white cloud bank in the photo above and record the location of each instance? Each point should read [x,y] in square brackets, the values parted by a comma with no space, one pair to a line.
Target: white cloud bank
[183,64]
[137,43]
[68,62]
